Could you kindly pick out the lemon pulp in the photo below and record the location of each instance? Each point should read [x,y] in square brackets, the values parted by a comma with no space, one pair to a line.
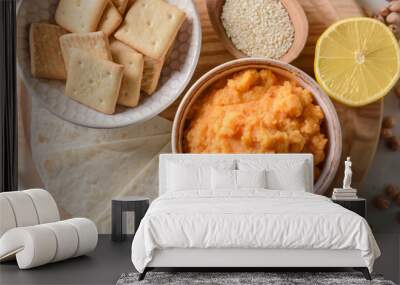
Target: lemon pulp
[357,61]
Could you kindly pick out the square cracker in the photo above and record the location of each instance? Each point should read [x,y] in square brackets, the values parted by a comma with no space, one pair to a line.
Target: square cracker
[95,43]
[132,61]
[121,5]
[45,52]
[110,20]
[93,82]
[151,74]
[80,16]
[150,26]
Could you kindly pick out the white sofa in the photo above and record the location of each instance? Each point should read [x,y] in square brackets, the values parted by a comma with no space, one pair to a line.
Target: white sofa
[31,231]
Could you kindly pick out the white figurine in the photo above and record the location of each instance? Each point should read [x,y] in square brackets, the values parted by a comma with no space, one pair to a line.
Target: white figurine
[347,174]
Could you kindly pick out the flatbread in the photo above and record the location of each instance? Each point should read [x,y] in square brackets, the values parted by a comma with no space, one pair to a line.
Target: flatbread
[150,26]
[80,16]
[133,70]
[45,52]
[74,162]
[93,82]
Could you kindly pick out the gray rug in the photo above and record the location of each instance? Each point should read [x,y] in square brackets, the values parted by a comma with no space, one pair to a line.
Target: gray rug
[243,278]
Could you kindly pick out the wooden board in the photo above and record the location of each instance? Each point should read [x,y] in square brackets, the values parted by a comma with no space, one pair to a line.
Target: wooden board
[360,126]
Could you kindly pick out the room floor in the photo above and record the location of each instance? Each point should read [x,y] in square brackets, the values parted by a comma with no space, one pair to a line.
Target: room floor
[103,266]
[106,264]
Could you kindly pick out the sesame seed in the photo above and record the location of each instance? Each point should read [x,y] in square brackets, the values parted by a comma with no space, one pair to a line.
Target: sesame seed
[259,28]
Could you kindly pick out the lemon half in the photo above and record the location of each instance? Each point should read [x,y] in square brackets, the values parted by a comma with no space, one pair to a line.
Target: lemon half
[357,61]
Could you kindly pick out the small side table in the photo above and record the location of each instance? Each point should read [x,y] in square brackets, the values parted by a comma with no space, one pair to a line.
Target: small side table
[358,206]
[139,205]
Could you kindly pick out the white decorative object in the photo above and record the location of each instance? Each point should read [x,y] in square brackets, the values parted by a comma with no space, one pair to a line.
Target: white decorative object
[28,208]
[344,194]
[347,192]
[7,216]
[30,230]
[67,237]
[347,174]
[87,235]
[175,76]
[45,206]
[22,207]
[46,243]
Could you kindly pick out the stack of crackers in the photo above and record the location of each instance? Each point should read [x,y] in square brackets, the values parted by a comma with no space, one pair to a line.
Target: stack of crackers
[105,54]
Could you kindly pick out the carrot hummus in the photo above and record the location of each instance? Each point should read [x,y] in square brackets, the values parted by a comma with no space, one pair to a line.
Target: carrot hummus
[255,111]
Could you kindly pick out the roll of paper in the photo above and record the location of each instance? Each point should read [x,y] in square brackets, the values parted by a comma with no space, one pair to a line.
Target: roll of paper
[40,244]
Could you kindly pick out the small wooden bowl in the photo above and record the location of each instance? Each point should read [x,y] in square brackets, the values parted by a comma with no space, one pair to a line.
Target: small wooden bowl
[331,123]
[296,14]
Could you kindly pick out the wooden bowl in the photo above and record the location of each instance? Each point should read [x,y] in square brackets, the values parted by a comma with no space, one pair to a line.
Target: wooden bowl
[296,14]
[331,123]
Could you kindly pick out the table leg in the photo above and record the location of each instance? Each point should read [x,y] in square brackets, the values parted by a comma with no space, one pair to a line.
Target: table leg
[116,222]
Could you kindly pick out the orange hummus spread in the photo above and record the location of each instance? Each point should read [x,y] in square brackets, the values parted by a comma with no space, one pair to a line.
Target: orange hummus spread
[255,111]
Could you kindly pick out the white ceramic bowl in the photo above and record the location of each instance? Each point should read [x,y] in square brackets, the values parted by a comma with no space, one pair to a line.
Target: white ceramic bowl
[176,73]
